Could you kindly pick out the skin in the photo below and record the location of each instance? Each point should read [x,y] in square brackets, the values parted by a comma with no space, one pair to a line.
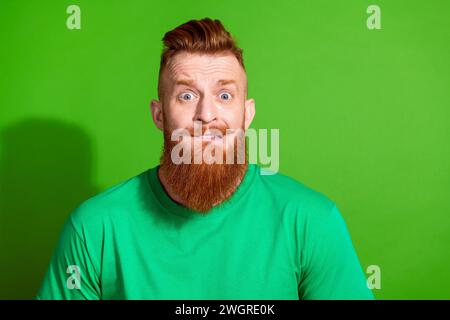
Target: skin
[192,91]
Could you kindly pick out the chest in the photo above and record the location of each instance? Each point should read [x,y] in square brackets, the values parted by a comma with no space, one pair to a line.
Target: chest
[215,264]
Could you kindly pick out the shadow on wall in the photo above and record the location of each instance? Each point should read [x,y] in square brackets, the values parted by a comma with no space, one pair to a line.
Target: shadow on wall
[45,172]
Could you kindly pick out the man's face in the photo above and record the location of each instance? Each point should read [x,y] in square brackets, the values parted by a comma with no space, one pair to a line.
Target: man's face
[207,88]
[206,92]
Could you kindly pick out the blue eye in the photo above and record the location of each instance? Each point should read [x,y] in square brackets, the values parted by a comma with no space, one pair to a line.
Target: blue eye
[225,96]
[186,96]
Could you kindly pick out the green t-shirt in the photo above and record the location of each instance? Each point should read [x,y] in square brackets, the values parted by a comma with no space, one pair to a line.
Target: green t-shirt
[274,238]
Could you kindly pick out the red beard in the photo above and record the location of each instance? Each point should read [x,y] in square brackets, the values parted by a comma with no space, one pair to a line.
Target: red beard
[201,186]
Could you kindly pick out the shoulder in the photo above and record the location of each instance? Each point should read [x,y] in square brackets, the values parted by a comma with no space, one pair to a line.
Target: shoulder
[294,193]
[102,207]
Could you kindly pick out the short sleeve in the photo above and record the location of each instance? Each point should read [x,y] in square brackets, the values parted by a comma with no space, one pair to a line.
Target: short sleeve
[71,274]
[330,266]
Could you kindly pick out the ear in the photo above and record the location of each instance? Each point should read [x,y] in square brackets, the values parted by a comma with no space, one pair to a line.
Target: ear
[249,112]
[156,108]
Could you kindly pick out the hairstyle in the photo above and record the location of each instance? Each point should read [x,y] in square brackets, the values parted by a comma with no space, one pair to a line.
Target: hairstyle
[198,36]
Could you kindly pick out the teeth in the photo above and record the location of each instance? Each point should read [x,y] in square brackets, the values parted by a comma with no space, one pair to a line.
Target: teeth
[210,137]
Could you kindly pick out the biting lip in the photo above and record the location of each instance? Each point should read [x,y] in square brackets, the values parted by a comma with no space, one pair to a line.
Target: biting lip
[209,137]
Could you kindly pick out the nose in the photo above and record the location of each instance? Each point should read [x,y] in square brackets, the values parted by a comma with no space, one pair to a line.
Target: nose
[206,110]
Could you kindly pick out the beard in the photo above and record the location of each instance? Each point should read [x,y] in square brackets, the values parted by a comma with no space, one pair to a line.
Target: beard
[201,186]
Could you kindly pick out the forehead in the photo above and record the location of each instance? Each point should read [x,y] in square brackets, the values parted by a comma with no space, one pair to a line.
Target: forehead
[200,67]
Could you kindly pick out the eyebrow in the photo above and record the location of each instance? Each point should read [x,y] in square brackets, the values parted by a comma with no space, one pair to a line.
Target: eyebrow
[225,82]
[189,82]
[186,82]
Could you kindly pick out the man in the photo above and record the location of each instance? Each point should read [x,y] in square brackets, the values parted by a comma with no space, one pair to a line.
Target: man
[208,229]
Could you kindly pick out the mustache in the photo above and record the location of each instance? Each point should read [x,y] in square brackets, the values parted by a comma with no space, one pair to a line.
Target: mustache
[207,129]
[223,130]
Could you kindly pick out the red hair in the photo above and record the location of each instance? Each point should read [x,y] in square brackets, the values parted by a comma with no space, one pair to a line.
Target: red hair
[198,36]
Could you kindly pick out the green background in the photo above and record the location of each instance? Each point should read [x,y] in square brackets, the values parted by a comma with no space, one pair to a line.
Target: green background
[364,117]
